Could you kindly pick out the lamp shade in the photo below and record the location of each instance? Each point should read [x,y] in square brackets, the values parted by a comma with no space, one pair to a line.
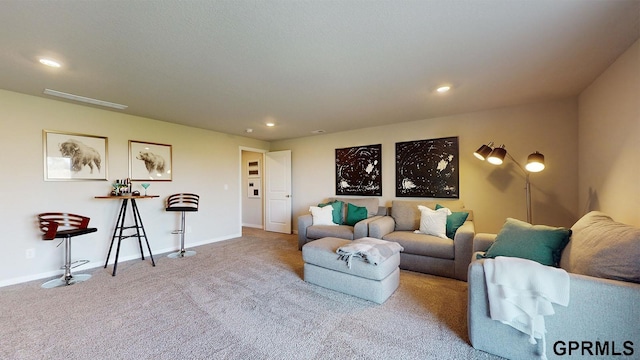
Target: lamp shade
[535,162]
[497,155]
[483,151]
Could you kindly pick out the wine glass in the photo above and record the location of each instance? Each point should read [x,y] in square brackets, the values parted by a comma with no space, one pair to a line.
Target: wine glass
[145,186]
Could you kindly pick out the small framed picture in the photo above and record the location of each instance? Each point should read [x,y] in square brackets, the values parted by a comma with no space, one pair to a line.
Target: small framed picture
[72,156]
[150,161]
[253,168]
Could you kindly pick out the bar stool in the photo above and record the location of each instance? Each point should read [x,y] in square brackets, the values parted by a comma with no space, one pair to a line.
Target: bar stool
[65,226]
[182,202]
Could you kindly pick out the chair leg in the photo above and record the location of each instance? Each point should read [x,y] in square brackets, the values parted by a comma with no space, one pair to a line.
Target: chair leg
[182,253]
[67,278]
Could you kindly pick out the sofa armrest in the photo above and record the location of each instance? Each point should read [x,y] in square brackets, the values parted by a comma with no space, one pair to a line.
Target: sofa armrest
[599,309]
[304,221]
[463,249]
[381,227]
[483,241]
[361,228]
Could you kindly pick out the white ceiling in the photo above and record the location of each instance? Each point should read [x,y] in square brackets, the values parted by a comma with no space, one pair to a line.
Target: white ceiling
[310,65]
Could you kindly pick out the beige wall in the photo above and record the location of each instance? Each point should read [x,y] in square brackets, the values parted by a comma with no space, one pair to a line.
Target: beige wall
[494,193]
[609,141]
[204,162]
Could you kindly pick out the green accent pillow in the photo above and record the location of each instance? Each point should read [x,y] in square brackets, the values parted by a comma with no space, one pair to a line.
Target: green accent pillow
[337,210]
[355,214]
[454,221]
[520,239]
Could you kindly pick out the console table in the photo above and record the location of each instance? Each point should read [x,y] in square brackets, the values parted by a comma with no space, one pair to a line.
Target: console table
[120,227]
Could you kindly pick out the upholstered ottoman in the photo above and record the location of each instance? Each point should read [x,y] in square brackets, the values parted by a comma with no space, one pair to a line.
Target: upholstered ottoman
[367,281]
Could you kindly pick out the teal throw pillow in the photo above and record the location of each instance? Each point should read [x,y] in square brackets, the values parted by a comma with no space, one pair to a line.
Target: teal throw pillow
[355,214]
[520,239]
[337,210]
[454,221]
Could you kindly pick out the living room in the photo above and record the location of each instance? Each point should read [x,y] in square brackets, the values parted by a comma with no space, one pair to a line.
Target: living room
[587,168]
[589,140]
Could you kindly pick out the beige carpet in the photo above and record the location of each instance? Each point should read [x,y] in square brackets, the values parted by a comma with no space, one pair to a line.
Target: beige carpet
[236,299]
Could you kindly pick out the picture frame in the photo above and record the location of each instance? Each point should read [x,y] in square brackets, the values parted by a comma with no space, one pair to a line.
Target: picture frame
[70,156]
[359,170]
[428,168]
[150,161]
[253,168]
[253,188]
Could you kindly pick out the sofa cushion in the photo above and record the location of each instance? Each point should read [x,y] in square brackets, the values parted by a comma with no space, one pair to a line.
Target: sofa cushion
[355,214]
[322,216]
[422,244]
[454,221]
[337,210]
[406,215]
[604,248]
[370,203]
[539,243]
[433,222]
[321,231]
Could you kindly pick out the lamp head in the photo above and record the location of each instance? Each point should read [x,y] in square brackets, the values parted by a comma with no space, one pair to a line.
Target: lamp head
[497,155]
[535,162]
[483,151]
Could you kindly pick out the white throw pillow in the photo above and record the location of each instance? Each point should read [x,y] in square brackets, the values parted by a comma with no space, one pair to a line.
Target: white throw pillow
[433,222]
[322,215]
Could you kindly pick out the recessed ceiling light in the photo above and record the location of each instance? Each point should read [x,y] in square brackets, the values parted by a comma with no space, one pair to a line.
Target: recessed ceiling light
[270,124]
[443,89]
[249,130]
[319,131]
[49,62]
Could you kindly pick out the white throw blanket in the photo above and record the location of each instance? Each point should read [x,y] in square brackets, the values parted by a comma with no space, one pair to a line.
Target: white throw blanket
[373,251]
[521,293]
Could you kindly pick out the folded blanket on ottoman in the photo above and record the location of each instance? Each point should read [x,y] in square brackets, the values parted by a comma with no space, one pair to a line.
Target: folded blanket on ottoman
[370,250]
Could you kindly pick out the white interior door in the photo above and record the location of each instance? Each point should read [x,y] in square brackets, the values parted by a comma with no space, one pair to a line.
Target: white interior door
[277,191]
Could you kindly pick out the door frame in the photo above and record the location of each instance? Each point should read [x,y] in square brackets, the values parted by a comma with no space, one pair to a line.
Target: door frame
[241,183]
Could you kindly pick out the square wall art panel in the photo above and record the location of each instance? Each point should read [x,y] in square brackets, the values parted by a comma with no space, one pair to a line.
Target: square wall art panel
[359,170]
[427,168]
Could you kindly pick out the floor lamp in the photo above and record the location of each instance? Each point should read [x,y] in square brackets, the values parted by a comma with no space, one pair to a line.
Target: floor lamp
[496,155]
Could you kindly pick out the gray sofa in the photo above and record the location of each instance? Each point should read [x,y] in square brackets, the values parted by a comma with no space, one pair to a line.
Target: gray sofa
[426,253]
[603,315]
[308,232]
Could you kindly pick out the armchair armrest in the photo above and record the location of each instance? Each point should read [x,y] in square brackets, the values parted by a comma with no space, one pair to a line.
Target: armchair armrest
[614,319]
[463,249]
[304,221]
[381,227]
[483,241]
[361,228]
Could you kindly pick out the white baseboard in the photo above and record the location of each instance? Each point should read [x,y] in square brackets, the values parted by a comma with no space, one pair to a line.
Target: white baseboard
[95,264]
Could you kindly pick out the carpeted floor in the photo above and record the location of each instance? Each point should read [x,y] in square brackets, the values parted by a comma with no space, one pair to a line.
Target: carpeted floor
[237,299]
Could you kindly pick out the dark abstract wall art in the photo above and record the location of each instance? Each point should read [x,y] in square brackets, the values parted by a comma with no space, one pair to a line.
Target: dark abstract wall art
[427,168]
[359,170]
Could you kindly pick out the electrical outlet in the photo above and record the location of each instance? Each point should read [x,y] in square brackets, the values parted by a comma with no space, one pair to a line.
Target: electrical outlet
[30,253]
